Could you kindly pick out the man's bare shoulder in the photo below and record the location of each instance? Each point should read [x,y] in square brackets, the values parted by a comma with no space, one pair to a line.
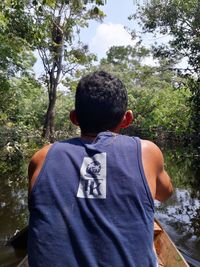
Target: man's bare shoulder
[149,146]
[152,151]
[36,164]
[40,154]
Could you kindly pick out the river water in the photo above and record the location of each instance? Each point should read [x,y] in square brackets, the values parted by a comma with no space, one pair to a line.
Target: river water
[180,215]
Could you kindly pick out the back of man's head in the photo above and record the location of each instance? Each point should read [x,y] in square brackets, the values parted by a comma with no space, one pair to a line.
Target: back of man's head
[100,102]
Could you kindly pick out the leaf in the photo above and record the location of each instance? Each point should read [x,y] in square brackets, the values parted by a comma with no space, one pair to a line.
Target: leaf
[35,2]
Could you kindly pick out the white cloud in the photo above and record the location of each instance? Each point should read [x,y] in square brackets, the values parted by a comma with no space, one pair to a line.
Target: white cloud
[107,35]
[150,61]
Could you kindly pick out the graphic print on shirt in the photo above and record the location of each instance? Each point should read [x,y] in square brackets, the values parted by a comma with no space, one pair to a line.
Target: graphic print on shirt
[93,177]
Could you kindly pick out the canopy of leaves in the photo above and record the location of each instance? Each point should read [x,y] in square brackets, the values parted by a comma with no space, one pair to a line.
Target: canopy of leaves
[52,27]
[180,20]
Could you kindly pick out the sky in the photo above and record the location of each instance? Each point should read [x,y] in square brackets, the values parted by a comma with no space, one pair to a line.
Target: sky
[101,36]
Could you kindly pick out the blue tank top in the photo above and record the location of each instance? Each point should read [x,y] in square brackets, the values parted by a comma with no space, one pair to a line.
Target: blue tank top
[91,206]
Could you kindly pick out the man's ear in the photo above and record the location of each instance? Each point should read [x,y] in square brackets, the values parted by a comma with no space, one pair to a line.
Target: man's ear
[73,117]
[127,119]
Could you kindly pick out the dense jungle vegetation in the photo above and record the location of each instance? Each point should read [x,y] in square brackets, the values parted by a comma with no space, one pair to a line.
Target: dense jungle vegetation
[35,110]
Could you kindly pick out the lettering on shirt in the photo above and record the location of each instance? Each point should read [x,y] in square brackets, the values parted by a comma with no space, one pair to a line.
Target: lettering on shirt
[93,177]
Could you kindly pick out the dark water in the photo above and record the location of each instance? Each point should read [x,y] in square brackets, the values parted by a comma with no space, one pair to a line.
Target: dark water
[180,215]
[13,202]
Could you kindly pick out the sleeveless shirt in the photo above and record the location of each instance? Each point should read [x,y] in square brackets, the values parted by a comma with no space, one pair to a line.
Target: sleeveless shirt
[91,206]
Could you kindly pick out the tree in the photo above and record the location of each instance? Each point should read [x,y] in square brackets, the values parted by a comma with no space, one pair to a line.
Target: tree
[181,21]
[52,27]
[16,60]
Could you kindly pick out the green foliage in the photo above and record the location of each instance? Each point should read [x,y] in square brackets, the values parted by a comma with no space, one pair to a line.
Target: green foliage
[65,129]
[181,21]
[157,96]
[171,111]
[30,103]
[16,60]
[22,112]
[15,53]
[52,27]
[194,85]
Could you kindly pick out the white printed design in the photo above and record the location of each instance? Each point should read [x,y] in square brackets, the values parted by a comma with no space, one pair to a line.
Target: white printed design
[93,177]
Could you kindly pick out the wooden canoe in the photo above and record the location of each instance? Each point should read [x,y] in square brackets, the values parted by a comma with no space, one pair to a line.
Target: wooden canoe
[168,254]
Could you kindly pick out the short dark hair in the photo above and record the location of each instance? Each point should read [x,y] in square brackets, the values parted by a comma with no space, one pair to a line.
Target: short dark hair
[100,102]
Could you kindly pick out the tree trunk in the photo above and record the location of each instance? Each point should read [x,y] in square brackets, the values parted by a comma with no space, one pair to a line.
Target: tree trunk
[54,76]
[49,124]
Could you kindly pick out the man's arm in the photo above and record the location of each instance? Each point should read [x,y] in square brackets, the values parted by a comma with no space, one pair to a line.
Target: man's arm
[157,178]
[36,164]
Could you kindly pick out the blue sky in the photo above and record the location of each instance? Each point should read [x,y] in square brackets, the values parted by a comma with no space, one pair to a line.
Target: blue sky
[101,36]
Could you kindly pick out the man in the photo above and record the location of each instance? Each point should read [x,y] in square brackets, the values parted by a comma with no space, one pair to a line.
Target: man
[91,198]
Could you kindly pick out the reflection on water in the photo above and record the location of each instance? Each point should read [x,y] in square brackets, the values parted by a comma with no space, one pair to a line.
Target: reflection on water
[180,215]
[13,202]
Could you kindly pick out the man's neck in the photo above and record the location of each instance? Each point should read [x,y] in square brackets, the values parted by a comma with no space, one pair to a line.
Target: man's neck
[88,137]
[92,136]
